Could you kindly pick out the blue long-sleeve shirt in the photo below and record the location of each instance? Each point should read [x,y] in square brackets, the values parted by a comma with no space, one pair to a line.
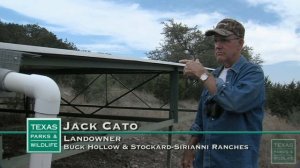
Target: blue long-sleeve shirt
[241,98]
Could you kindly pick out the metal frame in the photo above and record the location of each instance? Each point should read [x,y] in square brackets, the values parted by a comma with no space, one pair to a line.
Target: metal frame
[42,60]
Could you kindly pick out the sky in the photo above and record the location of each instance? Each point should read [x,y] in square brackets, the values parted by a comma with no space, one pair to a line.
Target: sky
[130,28]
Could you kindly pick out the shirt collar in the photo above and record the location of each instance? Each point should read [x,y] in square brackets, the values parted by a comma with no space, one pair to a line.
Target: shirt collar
[235,67]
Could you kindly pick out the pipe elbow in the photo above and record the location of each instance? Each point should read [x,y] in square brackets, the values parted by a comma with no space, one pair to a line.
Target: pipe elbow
[46,93]
[43,89]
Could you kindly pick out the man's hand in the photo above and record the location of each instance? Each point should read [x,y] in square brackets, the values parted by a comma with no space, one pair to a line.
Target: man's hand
[188,158]
[193,68]
[189,155]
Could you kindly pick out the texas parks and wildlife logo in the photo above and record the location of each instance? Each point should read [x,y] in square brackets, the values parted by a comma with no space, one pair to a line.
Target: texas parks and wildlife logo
[43,135]
[283,151]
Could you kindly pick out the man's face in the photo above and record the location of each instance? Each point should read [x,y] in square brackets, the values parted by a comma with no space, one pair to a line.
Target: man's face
[227,48]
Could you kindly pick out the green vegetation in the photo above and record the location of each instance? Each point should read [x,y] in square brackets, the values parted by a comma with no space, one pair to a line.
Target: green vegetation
[180,42]
[33,34]
[183,42]
[284,100]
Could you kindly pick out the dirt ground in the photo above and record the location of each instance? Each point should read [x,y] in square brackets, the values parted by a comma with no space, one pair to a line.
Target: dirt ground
[108,158]
[140,158]
[126,158]
[132,158]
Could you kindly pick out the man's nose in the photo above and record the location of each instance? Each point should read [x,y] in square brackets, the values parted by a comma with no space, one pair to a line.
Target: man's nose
[218,45]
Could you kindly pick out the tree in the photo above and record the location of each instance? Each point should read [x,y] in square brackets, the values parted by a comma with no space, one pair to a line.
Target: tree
[248,53]
[33,34]
[183,42]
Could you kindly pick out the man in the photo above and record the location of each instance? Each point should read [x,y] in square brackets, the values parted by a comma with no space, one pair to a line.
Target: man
[232,100]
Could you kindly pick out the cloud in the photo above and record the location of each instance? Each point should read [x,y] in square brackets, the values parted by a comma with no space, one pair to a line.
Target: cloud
[204,21]
[106,48]
[126,23]
[274,43]
[279,42]
[131,27]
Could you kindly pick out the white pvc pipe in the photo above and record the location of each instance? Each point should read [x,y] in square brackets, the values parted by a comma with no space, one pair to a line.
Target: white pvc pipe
[42,160]
[43,89]
[47,103]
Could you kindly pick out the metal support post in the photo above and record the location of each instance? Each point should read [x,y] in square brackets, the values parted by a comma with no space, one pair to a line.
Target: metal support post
[173,113]
[1,151]
[169,154]
[174,95]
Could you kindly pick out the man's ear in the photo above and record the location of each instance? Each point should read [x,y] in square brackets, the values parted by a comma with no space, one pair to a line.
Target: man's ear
[241,43]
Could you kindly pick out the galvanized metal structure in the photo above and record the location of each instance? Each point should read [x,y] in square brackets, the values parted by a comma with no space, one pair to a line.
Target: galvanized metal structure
[42,60]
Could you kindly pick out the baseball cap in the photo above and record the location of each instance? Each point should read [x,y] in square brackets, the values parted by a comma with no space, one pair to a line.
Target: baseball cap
[227,27]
